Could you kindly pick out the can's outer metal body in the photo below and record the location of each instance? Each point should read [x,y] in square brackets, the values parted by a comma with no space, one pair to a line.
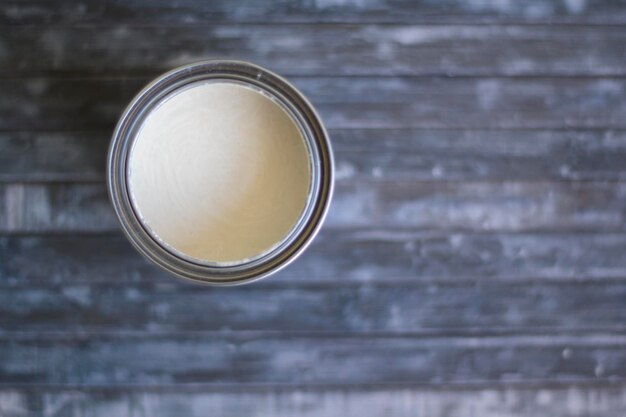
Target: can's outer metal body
[301,112]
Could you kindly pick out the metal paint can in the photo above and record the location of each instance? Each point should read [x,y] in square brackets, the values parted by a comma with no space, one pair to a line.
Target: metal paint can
[320,158]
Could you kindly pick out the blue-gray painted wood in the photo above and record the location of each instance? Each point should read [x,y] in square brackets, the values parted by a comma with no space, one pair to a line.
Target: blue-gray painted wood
[365,256]
[571,400]
[156,305]
[278,11]
[473,260]
[244,358]
[314,50]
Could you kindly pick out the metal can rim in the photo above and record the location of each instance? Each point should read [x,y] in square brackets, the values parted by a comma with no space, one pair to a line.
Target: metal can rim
[322,171]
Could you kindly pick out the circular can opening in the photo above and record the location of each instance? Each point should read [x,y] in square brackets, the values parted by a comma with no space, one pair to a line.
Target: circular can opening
[220,172]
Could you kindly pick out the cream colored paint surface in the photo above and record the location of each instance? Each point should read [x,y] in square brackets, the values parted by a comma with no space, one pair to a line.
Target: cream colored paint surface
[219,172]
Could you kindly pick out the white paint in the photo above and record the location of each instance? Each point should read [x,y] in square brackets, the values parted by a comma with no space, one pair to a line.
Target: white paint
[219,172]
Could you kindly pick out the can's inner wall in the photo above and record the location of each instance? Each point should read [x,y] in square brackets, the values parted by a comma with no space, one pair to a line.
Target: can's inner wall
[219,172]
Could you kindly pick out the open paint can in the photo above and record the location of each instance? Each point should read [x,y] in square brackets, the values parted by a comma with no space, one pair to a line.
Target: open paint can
[220,172]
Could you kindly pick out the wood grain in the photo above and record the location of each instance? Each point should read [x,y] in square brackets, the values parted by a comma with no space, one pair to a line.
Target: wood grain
[33,208]
[567,400]
[472,263]
[382,203]
[249,358]
[316,50]
[350,102]
[53,156]
[341,256]
[417,155]
[277,11]
[462,309]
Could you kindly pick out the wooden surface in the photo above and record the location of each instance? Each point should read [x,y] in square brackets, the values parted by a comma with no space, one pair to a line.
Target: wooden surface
[474,258]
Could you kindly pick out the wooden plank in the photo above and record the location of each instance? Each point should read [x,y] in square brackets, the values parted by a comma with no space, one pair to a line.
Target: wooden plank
[351,102]
[384,203]
[434,155]
[36,208]
[77,104]
[254,358]
[193,12]
[481,206]
[316,50]
[429,309]
[42,11]
[417,155]
[567,400]
[372,256]
[53,156]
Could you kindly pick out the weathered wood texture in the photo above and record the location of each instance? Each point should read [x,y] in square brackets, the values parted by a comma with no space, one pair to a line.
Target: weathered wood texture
[281,11]
[570,401]
[253,358]
[338,256]
[154,305]
[573,400]
[320,50]
[473,259]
